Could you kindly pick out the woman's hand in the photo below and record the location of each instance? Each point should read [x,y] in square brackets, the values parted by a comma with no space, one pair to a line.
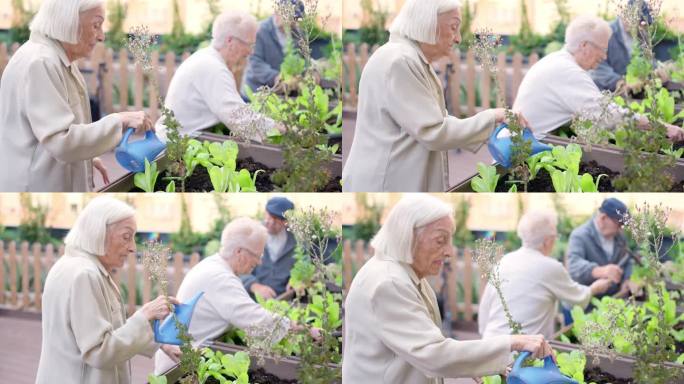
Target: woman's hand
[500,117]
[138,120]
[172,351]
[674,133]
[532,343]
[99,165]
[158,308]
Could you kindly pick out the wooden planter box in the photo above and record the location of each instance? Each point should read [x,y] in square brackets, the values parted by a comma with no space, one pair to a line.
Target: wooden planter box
[269,155]
[606,156]
[622,367]
[285,368]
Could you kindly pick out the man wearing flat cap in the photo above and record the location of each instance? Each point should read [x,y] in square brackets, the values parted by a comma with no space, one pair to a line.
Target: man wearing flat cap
[598,248]
[269,279]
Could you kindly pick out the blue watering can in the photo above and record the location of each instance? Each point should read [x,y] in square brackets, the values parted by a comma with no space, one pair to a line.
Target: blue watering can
[132,155]
[549,374]
[166,332]
[500,148]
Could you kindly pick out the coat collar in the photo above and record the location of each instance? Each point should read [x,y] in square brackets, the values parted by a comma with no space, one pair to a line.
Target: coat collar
[54,44]
[78,252]
[411,43]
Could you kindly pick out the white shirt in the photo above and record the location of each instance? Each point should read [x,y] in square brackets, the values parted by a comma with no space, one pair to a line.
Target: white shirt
[225,304]
[203,93]
[555,90]
[275,244]
[532,285]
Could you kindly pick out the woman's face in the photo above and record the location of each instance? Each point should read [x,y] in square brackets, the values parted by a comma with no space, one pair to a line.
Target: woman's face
[89,33]
[119,243]
[432,246]
[448,31]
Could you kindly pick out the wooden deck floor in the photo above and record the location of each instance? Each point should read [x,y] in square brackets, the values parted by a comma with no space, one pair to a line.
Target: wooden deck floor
[20,340]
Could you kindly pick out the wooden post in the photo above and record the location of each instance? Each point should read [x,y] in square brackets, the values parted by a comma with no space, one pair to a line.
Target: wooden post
[194,259]
[347,265]
[123,80]
[468,284]
[470,81]
[2,272]
[25,277]
[13,272]
[486,81]
[517,73]
[132,287]
[4,58]
[138,87]
[501,78]
[360,254]
[170,60]
[107,81]
[177,271]
[351,66]
[49,257]
[153,90]
[37,276]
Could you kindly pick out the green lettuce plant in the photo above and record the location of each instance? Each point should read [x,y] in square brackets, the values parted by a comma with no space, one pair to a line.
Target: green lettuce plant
[148,179]
[486,180]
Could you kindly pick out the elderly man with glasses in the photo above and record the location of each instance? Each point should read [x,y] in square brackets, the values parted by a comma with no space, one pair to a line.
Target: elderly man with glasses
[598,249]
[204,91]
[226,303]
[559,87]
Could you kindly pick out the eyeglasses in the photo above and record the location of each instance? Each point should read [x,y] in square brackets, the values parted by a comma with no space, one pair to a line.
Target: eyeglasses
[252,254]
[604,50]
[250,45]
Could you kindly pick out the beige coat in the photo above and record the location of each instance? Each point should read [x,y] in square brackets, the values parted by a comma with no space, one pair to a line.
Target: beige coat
[86,337]
[47,140]
[392,332]
[403,128]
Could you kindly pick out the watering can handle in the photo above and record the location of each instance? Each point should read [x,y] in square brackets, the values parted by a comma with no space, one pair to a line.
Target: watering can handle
[126,136]
[156,326]
[548,362]
[497,130]
[150,134]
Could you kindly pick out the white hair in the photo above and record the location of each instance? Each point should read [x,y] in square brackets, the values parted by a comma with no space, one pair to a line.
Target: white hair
[417,19]
[231,23]
[396,237]
[59,19]
[585,28]
[535,226]
[90,230]
[241,233]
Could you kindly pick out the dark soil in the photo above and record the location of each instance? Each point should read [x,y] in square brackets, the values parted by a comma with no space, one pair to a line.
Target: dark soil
[599,377]
[200,181]
[259,376]
[543,183]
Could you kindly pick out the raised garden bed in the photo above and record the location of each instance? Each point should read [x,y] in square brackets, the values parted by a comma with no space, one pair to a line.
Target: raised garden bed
[600,160]
[618,371]
[282,371]
[251,156]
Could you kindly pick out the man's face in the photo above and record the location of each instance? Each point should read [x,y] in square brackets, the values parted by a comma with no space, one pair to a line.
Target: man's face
[274,225]
[448,31]
[594,52]
[250,256]
[608,227]
[242,46]
[119,243]
[432,246]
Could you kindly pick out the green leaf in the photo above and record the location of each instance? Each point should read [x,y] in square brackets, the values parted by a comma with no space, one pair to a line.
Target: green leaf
[220,178]
[171,187]
[513,188]
[147,180]
[487,179]
[152,379]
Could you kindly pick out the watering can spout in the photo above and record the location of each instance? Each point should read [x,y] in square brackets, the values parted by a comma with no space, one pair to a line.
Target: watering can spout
[500,148]
[548,374]
[132,156]
[166,332]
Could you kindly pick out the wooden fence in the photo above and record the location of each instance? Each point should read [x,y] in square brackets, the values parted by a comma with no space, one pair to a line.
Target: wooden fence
[467,90]
[464,284]
[119,83]
[23,268]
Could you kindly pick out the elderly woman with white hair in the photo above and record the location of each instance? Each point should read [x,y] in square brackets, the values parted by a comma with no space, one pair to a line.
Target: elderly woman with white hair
[533,283]
[86,336]
[392,322]
[559,87]
[46,128]
[226,304]
[204,91]
[403,129]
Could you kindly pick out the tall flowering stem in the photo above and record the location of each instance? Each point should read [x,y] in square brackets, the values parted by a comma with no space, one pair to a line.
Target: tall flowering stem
[487,258]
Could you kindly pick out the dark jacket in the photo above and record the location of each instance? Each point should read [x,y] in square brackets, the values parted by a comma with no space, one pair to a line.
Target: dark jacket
[614,68]
[275,275]
[264,64]
[585,253]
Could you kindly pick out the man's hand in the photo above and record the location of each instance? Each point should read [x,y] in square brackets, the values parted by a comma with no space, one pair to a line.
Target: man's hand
[262,290]
[674,133]
[610,271]
[600,286]
[628,288]
[172,351]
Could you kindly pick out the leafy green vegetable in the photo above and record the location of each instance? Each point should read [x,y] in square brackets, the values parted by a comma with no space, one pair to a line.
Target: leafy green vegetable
[147,180]
[152,379]
[639,68]
[487,179]
[572,365]
[220,366]
[293,64]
